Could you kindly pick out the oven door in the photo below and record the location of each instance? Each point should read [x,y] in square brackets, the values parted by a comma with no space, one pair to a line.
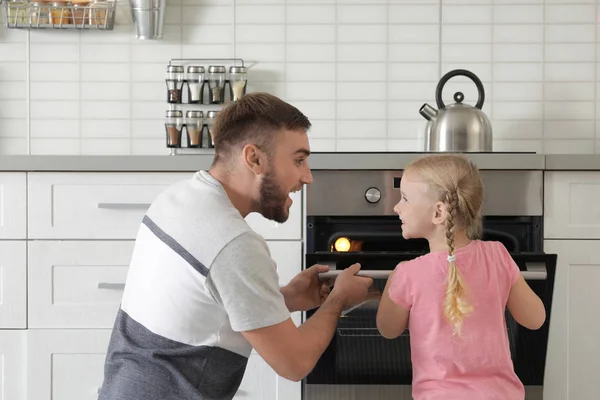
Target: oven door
[359,355]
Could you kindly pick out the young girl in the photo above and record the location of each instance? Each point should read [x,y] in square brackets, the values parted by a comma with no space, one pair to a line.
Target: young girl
[454,298]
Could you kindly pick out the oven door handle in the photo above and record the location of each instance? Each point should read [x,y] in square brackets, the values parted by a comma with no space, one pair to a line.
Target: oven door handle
[375,274]
[536,271]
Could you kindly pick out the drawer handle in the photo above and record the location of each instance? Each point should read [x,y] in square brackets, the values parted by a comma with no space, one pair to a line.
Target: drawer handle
[124,206]
[111,286]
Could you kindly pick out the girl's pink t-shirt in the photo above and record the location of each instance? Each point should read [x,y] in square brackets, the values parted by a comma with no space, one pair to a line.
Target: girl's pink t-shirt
[476,365]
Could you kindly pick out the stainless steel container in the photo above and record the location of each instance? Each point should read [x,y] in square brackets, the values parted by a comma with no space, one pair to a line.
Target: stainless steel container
[148,18]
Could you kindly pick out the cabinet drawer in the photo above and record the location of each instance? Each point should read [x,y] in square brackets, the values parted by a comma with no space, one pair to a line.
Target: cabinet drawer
[570,205]
[65,364]
[13,205]
[92,205]
[76,284]
[13,284]
[13,366]
[79,284]
[112,205]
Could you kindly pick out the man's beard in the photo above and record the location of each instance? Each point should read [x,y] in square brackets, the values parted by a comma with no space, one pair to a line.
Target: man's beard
[272,199]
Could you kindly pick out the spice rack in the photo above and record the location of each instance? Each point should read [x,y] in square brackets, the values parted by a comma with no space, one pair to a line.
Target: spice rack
[93,14]
[197,90]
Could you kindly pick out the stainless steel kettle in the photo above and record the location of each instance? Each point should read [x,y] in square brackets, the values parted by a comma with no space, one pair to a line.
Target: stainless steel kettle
[458,127]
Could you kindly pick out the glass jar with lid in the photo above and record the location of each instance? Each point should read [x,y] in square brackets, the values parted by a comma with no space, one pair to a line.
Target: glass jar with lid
[207,137]
[238,79]
[194,125]
[80,12]
[174,80]
[98,13]
[39,13]
[195,82]
[17,12]
[216,84]
[173,127]
[60,13]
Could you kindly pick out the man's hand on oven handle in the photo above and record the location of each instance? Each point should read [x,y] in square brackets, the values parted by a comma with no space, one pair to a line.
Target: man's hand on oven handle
[350,289]
[294,351]
[305,291]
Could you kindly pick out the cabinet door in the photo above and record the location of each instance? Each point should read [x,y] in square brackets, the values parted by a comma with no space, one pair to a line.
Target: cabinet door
[66,364]
[573,358]
[12,368]
[13,205]
[13,284]
[76,284]
[570,205]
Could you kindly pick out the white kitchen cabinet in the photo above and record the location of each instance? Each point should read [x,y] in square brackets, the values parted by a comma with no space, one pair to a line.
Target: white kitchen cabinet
[13,365]
[76,284]
[573,360]
[81,230]
[13,284]
[13,205]
[65,364]
[92,205]
[571,205]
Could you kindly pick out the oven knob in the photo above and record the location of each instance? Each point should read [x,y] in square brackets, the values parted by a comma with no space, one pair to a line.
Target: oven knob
[373,195]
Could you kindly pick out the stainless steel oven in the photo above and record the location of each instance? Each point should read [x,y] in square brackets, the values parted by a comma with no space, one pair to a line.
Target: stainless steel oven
[350,219]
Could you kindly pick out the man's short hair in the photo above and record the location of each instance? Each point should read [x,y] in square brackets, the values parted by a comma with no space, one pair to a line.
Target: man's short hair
[256,118]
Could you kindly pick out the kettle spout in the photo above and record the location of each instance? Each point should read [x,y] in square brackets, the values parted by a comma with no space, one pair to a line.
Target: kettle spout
[428,112]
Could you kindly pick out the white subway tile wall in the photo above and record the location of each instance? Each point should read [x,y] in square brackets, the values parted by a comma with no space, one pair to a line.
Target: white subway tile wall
[359,69]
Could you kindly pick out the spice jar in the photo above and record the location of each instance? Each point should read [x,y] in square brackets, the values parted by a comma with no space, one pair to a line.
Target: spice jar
[194,126]
[174,126]
[98,13]
[17,12]
[238,78]
[216,84]
[80,12]
[207,135]
[60,14]
[174,81]
[195,82]
[39,13]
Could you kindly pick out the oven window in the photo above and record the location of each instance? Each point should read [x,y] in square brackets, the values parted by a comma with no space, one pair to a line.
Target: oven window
[384,234]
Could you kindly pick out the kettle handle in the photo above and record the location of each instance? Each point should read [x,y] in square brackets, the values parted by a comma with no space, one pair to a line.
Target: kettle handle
[452,74]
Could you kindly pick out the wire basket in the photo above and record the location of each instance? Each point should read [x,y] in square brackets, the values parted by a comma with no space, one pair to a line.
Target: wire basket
[22,14]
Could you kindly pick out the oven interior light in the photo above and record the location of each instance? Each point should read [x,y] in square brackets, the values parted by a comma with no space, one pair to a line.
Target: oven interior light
[342,244]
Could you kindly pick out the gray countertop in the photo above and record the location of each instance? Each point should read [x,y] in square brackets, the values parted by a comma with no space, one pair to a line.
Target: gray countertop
[380,161]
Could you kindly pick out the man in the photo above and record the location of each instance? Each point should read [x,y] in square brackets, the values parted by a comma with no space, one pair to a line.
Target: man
[202,288]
